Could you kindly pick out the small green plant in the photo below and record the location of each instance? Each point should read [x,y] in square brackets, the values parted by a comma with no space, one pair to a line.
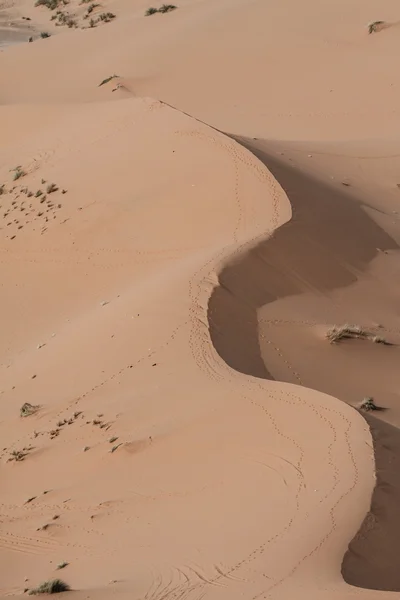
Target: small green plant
[91,8]
[38,193]
[51,4]
[368,404]
[18,455]
[106,17]
[53,586]
[164,8]
[44,35]
[64,18]
[107,80]
[51,188]
[375,26]
[18,173]
[28,409]
[151,11]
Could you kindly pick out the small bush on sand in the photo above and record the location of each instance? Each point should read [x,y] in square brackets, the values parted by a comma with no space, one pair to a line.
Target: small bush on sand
[53,586]
[377,339]
[64,18]
[51,188]
[2,190]
[51,4]
[18,173]
[375,26]
[368,404]
[345,332]
[164,8]
[106,17]
[151,11]
[107,80]
[335,334]
[91,8]
[62,564]
[18,455]
[28,409]
[44,35]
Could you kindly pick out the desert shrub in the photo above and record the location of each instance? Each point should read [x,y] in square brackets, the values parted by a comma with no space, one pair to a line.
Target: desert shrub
[28,409]
[375,26]
[164,8]
[53,586]
[368,404]
[106,17]
[107,79]
[19,172]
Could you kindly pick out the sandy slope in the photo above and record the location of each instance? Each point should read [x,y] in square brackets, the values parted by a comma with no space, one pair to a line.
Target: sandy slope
[156,294]
[217,472]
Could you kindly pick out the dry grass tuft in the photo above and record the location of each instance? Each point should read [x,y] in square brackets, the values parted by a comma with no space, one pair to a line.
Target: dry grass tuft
[51,188]
[107,80]
[18,173]
[368,404]
[164,8]
[28,409]
[345,332]
[53,586]
[376,26]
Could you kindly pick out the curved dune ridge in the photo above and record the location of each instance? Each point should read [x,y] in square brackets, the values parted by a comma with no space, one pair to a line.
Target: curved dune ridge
[166,293]
[220,484]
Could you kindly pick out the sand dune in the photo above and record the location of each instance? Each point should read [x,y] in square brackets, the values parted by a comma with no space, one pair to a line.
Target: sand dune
[174,245]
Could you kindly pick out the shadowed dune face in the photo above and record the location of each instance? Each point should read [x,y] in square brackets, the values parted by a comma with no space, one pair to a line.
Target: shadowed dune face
[318,250]
[328,243]
[372,560]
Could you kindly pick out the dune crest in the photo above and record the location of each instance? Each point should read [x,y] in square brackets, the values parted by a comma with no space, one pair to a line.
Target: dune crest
[168,469]
[188,202]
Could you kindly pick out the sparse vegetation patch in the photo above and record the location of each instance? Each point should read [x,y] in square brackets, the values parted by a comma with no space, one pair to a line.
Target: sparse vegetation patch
[164,8]
[368,404]
[343,332]
[107,80]
[28,409]
[375,26]
[53,586]
[19,455]
[51,4]
[106,17]
[51,188]
[18,173]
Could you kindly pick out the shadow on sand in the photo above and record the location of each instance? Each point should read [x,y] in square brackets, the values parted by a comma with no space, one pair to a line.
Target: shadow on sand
[327,243]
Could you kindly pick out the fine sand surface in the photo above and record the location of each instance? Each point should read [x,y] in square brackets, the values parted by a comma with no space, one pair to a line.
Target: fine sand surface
[174,246]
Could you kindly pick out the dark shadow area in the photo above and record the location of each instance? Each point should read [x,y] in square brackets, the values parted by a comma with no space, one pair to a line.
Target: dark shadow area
[372,560]
[327,243]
